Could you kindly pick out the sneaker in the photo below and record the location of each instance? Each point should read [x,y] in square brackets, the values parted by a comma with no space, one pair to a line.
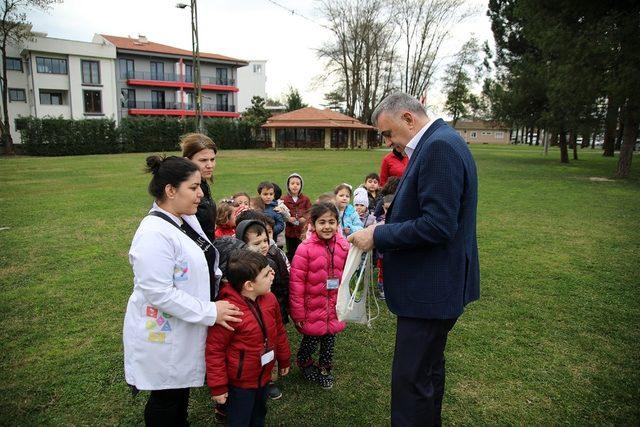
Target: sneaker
[325,379]
[311,373]
[273,391]
[380,291]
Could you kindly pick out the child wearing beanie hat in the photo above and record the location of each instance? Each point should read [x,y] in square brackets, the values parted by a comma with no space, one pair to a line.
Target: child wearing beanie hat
[361,203]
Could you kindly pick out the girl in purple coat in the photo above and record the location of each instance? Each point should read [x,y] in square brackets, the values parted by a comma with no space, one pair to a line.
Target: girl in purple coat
[316,271]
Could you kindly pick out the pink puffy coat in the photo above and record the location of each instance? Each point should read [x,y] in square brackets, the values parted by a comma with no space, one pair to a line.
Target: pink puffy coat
[310,301]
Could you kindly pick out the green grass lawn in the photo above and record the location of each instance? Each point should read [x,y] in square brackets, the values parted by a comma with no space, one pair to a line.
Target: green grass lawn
[554,338]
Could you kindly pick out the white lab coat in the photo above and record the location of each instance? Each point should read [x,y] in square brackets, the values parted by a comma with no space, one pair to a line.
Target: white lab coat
[169,311]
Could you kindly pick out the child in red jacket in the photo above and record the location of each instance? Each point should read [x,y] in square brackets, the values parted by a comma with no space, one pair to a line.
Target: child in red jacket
[299,206]
[239,361]
[316,271]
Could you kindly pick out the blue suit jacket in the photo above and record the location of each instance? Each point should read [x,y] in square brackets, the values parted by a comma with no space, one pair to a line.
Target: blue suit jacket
[431,268]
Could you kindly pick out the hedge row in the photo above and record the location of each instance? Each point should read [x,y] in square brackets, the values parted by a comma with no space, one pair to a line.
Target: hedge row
[63,137]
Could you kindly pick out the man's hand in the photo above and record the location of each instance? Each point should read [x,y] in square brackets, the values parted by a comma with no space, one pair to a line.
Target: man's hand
[221,399]
[284,372]
[227,312]
[363,239]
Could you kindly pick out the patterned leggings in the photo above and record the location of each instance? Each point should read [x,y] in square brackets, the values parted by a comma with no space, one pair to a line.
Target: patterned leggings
[309,345]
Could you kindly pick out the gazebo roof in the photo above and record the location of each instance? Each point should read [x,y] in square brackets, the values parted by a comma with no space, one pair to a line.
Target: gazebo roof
[310,117]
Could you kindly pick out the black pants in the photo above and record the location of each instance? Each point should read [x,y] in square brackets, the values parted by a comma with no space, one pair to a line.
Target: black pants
[246,406]
[309,345]
[418,373]
[167,408]
[292,245]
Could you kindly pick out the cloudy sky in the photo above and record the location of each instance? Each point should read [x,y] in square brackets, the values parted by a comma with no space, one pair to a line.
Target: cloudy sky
[247,29]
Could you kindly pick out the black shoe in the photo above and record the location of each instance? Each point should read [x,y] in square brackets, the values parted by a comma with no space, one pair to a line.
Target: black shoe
[220,413]
[311,373]
[325,379]
[273,391]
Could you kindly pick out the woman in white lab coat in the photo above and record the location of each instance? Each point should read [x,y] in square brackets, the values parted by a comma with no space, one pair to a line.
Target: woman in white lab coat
[170,309]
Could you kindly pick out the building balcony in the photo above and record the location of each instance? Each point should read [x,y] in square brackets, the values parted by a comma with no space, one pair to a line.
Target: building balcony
[146,78]
[151,108]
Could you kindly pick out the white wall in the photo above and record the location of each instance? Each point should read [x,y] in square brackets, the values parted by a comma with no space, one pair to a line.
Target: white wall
[251,83]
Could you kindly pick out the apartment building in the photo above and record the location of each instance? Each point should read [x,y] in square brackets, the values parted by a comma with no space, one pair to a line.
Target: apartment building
[252,81]
[49,77]
[156,79]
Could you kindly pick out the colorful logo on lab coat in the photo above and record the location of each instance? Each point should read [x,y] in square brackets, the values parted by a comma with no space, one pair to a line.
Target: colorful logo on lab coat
[181,271]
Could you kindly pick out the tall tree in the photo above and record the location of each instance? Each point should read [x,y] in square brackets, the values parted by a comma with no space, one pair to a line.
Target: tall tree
[293,100]
[361,53]
[335,100]
[458,79]
[257,114]
[423,26]
[15,29]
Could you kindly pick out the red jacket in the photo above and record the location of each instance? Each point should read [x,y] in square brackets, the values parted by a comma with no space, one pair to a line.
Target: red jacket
[225,230]
[392,166]
[310,302]
[233,357]
[297,209]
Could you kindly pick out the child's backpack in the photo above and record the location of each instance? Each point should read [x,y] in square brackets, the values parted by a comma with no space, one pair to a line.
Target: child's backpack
[225,247]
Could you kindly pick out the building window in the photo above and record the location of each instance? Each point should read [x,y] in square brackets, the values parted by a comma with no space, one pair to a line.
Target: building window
[157,70]
[257,68]
[499,135]
[474,134]
[157,99]
[17,95]
[92,101]
[222,76]
[49,97]
[127,70]
[90,72]
[14,64]
[51,65]
[188,73]
[128,98]
[222,102]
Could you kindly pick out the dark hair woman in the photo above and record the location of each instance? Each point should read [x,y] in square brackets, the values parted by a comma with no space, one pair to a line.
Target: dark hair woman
[170,308]
[202,151]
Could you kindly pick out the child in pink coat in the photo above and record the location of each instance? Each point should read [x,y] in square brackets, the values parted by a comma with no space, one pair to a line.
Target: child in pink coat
[316,271]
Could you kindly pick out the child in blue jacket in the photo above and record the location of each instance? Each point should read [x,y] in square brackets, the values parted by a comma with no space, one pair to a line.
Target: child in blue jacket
[349,219]
[267,193]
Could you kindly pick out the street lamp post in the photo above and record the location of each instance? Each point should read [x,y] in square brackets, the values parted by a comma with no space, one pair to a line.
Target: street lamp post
[195,48]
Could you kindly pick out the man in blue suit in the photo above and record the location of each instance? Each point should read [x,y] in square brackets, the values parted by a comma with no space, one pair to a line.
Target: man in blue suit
[431,268]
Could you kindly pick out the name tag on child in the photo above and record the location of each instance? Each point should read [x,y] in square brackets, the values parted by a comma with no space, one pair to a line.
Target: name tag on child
[333,283]
[267,357]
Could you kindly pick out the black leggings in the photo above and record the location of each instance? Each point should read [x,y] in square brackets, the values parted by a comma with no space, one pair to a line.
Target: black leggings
[292,245]
[167,408]
[309,345]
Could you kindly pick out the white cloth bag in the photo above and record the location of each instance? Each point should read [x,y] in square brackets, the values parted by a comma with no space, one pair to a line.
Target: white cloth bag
[352,304]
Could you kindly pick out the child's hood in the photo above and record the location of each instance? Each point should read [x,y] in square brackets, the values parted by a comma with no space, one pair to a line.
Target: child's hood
[295,175]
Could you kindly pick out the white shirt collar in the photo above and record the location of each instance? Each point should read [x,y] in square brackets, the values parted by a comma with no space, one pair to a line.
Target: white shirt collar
[411,146]
[175,219]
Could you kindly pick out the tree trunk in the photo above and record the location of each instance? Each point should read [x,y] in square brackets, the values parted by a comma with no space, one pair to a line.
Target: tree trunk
[553,138]
[586,138]
[546,142]
[593,140]
[631,121]
[5,129]
[538,137]
[621,120]
[574,143]
[531,135]
[610,121]
[516,140]
[564,153]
